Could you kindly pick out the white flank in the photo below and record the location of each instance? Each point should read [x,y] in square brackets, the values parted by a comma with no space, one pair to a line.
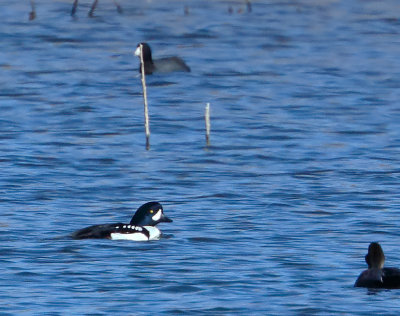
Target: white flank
[135,236]
[137,51]
[157,215]
[154,232]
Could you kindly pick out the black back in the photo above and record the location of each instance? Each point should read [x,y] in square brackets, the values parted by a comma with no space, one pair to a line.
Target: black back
[391,278]
[96,231]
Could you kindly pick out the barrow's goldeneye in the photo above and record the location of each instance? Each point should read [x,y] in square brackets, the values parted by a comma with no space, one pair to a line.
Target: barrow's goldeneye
[141,227]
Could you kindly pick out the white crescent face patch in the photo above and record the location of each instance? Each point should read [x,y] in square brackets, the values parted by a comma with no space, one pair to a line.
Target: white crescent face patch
[157,215]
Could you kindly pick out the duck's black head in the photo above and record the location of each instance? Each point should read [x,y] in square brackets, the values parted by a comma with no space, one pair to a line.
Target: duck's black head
[149,214]
[146,52]
[375,257]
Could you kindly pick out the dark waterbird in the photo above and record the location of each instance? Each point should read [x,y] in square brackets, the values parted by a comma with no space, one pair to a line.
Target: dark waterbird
[166,64]
[376,276]
[141,227]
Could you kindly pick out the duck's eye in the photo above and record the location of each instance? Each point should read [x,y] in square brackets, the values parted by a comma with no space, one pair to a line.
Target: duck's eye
[151,211]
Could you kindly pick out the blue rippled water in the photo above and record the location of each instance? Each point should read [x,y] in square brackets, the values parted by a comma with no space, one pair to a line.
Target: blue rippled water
[275,217]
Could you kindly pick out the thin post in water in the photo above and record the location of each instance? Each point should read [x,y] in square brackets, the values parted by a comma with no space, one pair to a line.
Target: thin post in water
[208,125]
[94,5]
[146,108]
[32,14]
[119,8]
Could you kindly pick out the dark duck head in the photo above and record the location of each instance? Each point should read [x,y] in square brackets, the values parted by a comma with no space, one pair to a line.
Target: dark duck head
[149,214]
[375,258]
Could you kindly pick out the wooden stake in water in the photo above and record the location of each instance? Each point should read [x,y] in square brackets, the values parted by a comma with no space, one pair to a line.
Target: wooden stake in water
[146,108]
[208,125]
[94,5]
[32,14]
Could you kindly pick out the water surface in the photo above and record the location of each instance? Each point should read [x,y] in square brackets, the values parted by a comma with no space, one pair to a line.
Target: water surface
[275,217]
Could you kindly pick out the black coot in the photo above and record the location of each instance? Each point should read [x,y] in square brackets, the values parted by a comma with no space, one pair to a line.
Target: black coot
[167,64]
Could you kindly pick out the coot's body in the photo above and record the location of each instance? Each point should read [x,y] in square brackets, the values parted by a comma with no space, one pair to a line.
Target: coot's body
[162,65]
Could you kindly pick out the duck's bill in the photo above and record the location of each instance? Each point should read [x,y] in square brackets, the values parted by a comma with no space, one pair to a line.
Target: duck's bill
[165,219]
